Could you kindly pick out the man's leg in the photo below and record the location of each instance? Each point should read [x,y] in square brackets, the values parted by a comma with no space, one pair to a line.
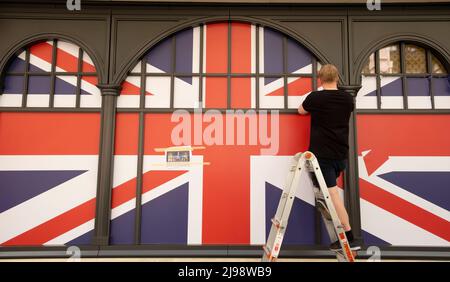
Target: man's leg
[340,208]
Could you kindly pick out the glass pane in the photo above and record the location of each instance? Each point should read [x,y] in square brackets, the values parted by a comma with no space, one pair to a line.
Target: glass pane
[242,55]
[369,67]
[13,84]
[130,93]
[389,59]
[66,57]
[216,47]
[270,51]
[187,50]
[215,92]
[298,88]
[299,60]
[441,92]
[437,66]
[12,92]
[271,92]
[65,91]
[90,94]
[157,92]
[243,92]
[391,92]
[186,92]
[418,93]
[41,55]
[17,63]
[88,64]
[38,91]
[367,95]
[415,59]
[159,58]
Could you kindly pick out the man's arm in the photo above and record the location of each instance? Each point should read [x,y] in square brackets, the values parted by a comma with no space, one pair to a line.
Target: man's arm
[305,107]
[302,110]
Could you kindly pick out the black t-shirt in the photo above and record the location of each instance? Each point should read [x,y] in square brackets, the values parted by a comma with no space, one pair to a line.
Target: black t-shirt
[330,113]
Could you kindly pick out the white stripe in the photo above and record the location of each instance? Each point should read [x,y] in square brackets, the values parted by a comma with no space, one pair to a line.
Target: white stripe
[160,88]
[442,102]
[407,164]
[185,94]
[130,100]
[11,100]
[72,49]
[53,202]
[395,230]
[195,49]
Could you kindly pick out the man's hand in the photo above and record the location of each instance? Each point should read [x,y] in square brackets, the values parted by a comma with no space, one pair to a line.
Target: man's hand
[302,111]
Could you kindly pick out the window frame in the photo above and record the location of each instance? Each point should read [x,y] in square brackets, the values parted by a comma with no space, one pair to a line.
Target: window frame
[404,75]
[256,74]
[52,74]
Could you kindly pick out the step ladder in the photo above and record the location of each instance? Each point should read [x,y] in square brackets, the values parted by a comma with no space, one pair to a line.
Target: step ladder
[306,163]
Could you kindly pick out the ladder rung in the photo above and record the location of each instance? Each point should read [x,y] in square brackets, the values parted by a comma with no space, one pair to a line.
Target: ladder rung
[276,222]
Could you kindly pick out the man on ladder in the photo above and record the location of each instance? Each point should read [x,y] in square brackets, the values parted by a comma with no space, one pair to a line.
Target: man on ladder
[330,111]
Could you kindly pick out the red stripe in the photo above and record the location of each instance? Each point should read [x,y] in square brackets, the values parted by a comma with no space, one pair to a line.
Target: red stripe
[42,50]
[216,92]
[405,210]
[298,87]
[127,133]
[64,60]
[151,180]
[131,89]
[56,226]
[217,47]
[86,211]
[216,61]
[241,48]
[49,133]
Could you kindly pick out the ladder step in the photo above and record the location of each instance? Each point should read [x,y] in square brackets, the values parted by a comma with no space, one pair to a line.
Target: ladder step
[276,222]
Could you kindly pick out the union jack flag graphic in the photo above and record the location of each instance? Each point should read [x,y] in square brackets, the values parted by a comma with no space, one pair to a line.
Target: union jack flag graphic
[404,170]
[39,84]
[215,57]
[391,92]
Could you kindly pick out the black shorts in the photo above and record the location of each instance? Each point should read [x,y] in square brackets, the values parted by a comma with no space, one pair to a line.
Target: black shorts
[331,169]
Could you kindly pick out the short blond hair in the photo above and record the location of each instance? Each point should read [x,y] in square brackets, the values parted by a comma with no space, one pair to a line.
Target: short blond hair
[328,73]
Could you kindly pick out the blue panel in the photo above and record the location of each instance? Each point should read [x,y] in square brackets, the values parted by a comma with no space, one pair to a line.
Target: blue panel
[418,87]
[300,230]
[441,86]
[273,53]
[184,49]
[371,240]
[122,228]
[433,186]
[298,56]
[85,239]
[160,56]
[13,84]
[165,219]
[19,186]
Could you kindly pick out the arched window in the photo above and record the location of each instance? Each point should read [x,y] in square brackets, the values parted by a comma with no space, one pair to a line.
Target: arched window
[51,74]
[222,65]
[404,76]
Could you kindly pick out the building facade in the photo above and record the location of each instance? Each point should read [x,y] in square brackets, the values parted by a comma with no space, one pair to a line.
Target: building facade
[87,96]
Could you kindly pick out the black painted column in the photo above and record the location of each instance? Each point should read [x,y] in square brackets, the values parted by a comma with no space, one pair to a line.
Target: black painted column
[105,169]
[351,179]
